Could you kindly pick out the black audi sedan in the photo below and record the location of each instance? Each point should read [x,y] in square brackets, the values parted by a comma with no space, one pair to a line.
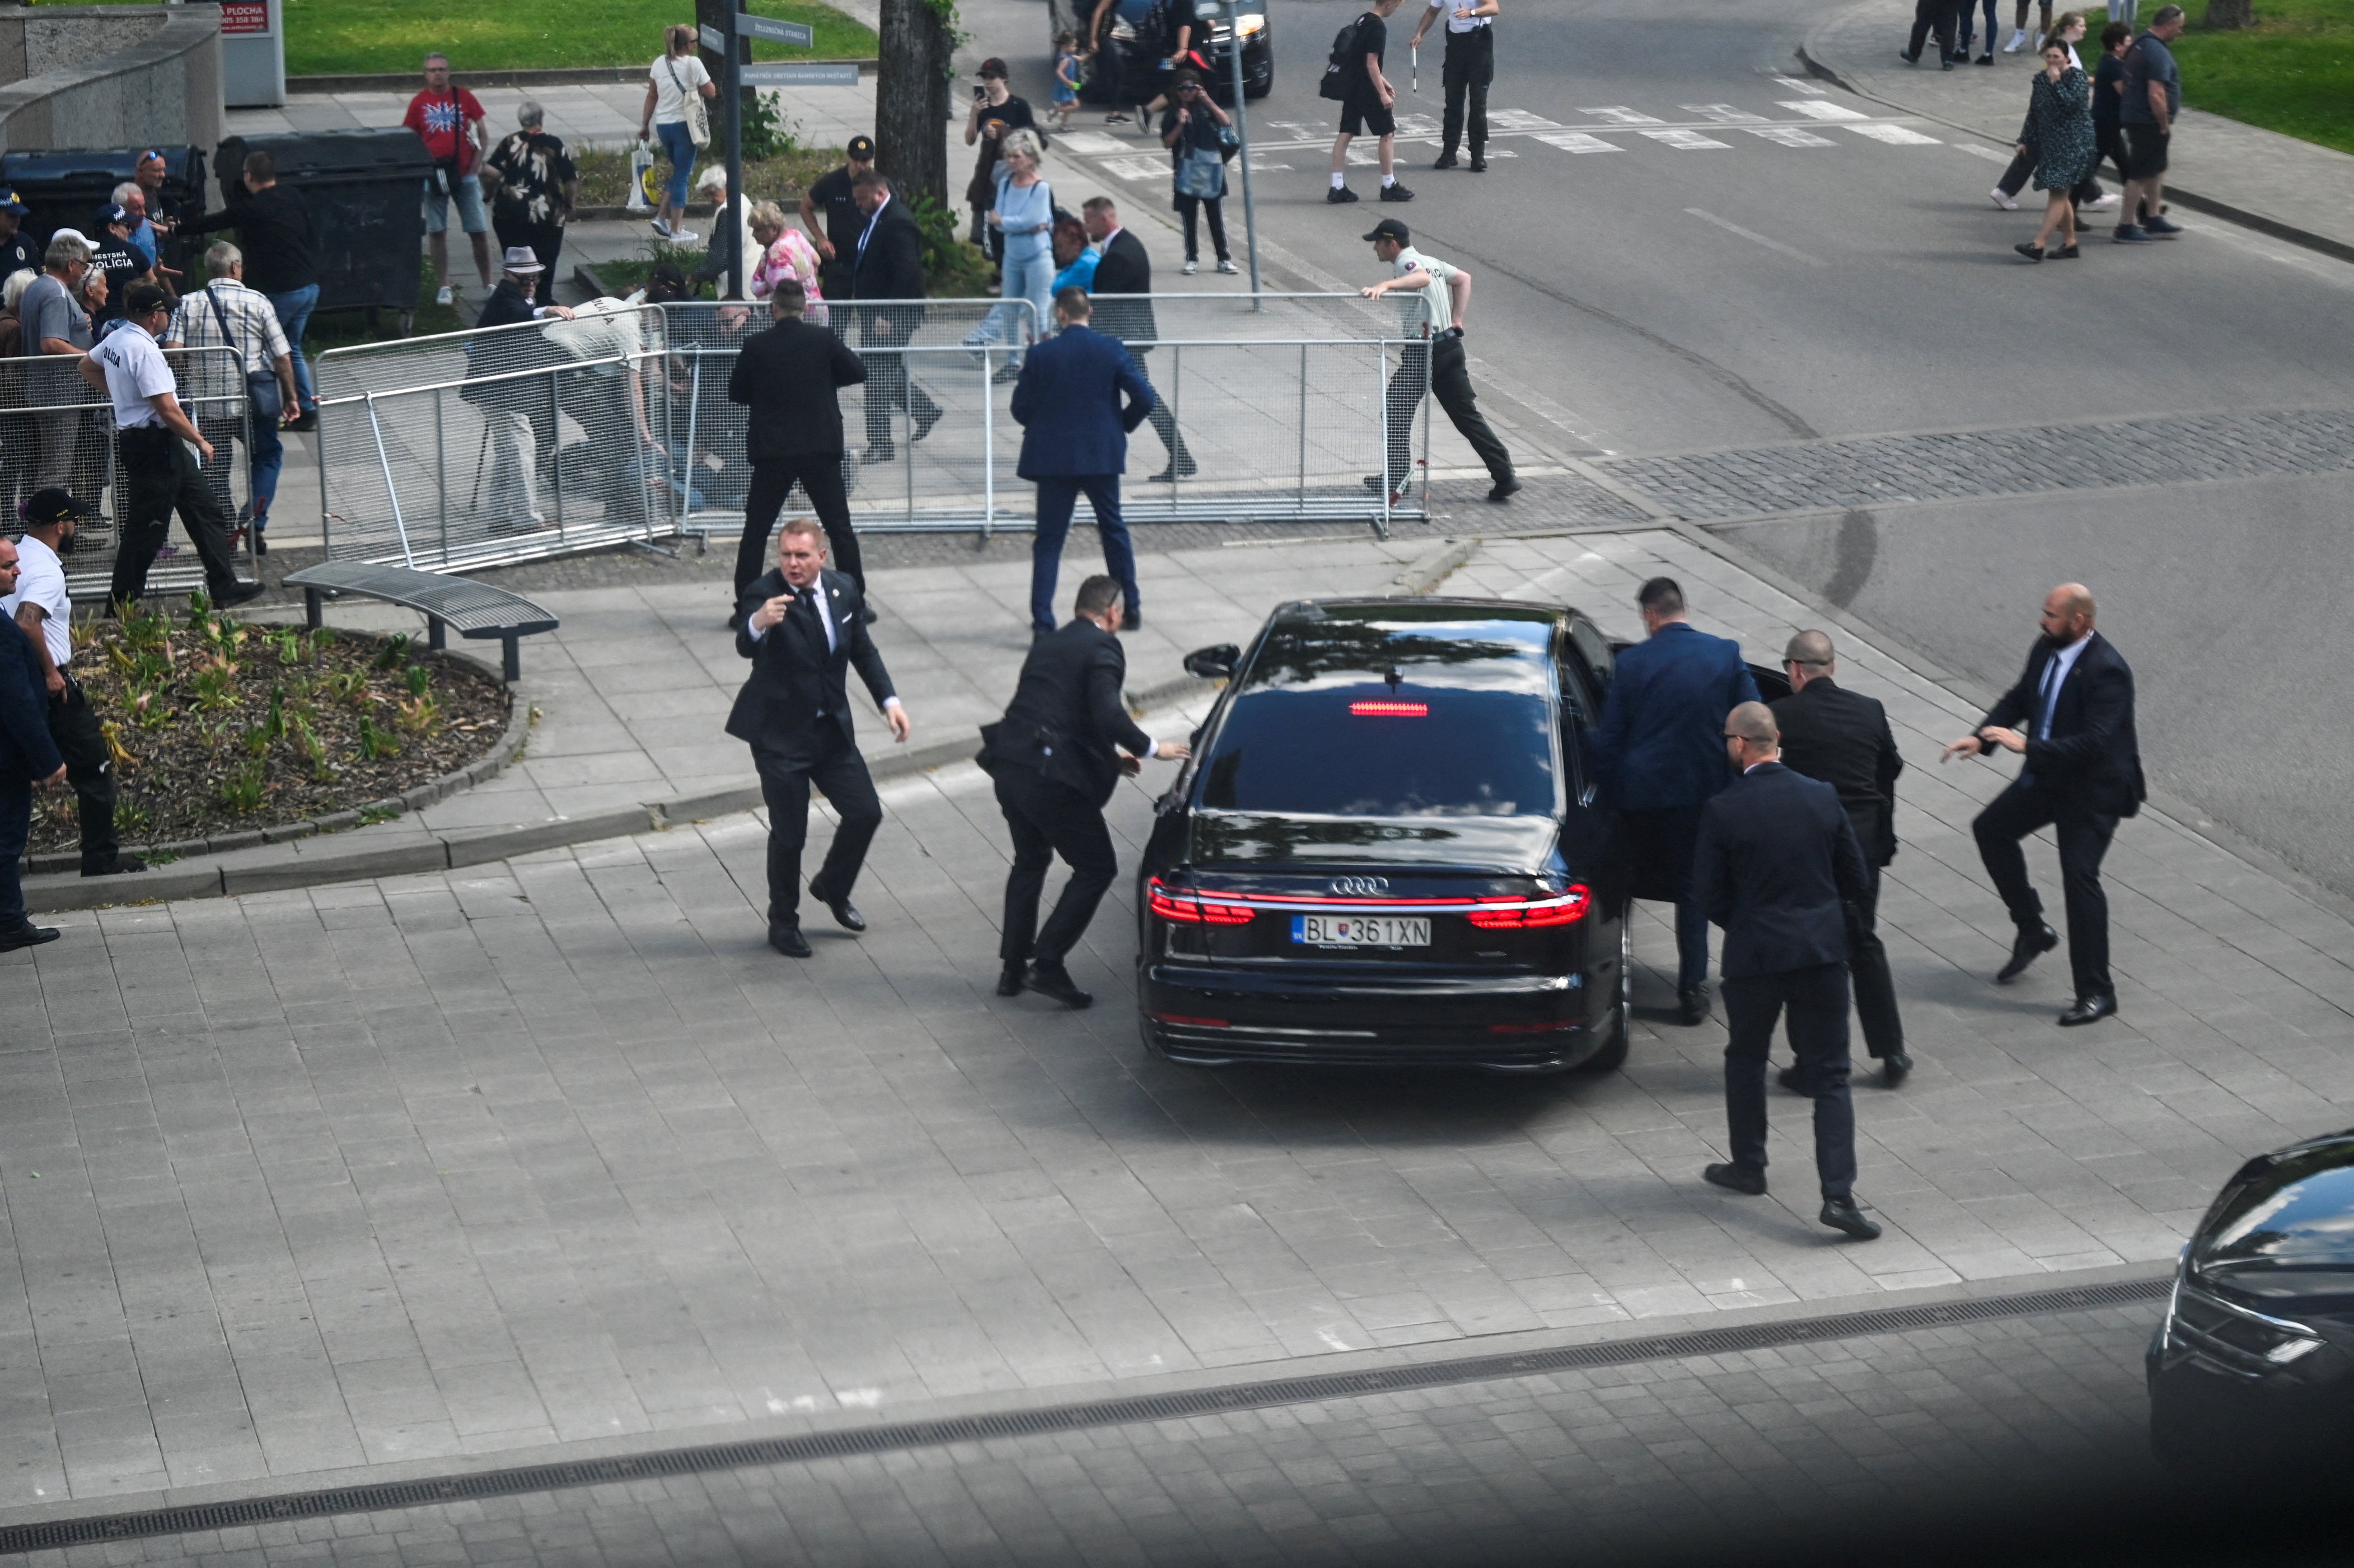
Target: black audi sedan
[2253,1366]
[1385,850]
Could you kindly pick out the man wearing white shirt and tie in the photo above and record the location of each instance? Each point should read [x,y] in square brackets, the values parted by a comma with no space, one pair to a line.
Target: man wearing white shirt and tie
[801,626]
[2075,702]
[1470,67]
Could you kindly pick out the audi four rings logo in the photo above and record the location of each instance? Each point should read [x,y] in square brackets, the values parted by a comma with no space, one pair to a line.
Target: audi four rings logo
[1363,886]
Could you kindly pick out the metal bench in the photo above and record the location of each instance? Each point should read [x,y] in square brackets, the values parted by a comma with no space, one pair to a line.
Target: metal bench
[476,609]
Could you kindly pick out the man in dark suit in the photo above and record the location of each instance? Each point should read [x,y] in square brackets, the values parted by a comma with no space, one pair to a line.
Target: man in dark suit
[788,375]
[889,265]
[2076,701]
[1125,268]
[1056,755]
[1842,738]
[28,755]
[1078,397]
[1656,749]
[1776,860]
[802,631]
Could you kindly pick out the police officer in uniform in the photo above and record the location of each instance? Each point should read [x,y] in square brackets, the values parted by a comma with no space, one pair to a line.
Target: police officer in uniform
[1470,67]
[830,212]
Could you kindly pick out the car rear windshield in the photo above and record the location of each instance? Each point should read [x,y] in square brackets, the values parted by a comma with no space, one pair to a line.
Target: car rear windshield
[2296,1215]
[1360,717]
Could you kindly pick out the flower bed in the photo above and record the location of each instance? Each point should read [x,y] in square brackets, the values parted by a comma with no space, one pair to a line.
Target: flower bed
[222,727]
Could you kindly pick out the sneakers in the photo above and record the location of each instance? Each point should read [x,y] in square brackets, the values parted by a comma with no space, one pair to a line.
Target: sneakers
[447,296]
[2017,41]
[2002,199]
[2106,199]
[1397,193]
[1193,265]
[1226,265]
[2160,227]
[1340,193]
[2128,234]
[660,226]
[683,237]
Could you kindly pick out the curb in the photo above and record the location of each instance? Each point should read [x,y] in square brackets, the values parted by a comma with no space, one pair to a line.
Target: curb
[440,852]
[583,76]
[1426,571]
[2322,244]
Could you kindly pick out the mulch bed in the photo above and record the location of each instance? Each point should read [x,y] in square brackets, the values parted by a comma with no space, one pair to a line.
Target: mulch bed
[220,726]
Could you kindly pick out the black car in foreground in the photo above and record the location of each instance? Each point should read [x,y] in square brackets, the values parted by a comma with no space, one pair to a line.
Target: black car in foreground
[1385,850]
[2254,1363]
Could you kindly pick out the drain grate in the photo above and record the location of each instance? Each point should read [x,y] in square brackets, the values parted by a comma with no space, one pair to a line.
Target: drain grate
[891,1436]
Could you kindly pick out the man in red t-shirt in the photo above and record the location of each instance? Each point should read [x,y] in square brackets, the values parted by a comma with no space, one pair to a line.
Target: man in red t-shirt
[450,121]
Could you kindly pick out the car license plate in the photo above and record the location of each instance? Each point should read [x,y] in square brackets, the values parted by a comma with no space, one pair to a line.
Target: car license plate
[1361,930]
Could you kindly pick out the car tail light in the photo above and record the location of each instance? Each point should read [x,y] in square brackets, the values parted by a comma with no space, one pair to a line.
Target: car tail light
[1390,710]
[1527,1028]
[1521,914]
[1188,909]
[1181,1020]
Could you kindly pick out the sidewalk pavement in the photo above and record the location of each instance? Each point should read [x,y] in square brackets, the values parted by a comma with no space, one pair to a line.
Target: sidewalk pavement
[2290,189]
[555,1155]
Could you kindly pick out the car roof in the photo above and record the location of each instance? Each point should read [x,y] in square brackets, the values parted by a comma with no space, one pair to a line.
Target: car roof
[1426,607]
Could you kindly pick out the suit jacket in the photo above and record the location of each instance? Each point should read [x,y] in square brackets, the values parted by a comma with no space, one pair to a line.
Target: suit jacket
[797,690]
[1842,738]
[1079,396]
[27,750]
[1125,268]
[1067,713]
[507,305]
[2093,758]
[891,266]
[1775,864]
[787,376]
[1662,739]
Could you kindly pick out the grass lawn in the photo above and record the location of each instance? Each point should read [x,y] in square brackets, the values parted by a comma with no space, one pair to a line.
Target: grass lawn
[2292,72]
[605,174]
[351,37]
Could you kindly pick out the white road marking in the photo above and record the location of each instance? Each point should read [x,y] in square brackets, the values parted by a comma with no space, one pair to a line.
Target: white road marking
[1795,84]
[1619,114]
[1789,136]
[1990,155]
[1684,141]
[1416,125]
[1897,136]
[1577,142]
[1751,234]
[1095,143]
[1722,113]
[1815,108]
[1520,120]
[1136,168]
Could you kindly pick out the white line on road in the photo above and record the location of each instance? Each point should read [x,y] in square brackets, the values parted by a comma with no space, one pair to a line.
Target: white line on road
[1815,108]
[1990,154]
[1729,228]
[1722,113]
[1789,136]
[1895,135]
[1685,141]
[1619,114]
[1577,142]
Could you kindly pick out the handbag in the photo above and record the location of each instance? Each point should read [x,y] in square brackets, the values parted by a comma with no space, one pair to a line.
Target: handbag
[698,114]
[642,193]
[1201,173]
[261,386]
[1228,144]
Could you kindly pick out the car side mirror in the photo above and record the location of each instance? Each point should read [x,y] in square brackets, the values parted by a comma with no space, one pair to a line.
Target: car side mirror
[1215,663]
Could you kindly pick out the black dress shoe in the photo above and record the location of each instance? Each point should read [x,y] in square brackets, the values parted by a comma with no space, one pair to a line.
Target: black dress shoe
[1505,488]
[27,937]
[880,451]
[2089,1010]
[1841,1214]
[120,865]
[260,544]
[789,940]
[1008,981]
[1186,469]
[1478,164]
[1131,620]
[243,593]
[1446,161]
[1796,1082]
[924,423]
[2033,943]
[1055,981]
[1893,1068]
[867,616]
[845,913]
[1749,1179]
[1692,1004]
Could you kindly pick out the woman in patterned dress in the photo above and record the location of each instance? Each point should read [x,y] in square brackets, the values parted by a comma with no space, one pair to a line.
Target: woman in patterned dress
[2059,126]
[785,252]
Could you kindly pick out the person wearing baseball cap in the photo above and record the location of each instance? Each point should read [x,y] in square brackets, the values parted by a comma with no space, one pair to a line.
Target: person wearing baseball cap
[995,112]
[112,253]
[18,252]
[43,611]
[829,199]
[1442,295]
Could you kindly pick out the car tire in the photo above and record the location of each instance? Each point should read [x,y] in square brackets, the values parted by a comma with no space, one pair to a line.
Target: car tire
[1613,1054]
[1257,89]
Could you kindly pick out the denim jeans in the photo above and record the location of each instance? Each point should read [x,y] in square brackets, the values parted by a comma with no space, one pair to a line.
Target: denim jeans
[678,146]
[293,307]
[1029,275]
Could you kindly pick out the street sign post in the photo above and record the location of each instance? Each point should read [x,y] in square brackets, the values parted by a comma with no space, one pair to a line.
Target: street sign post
[735,161]
[1234,11]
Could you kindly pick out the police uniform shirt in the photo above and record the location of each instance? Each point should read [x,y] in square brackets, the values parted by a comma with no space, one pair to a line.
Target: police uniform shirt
[1456,24]
[17,255]
[116,258]
[41,580]
[135,372]
[845,226]
[1442,303]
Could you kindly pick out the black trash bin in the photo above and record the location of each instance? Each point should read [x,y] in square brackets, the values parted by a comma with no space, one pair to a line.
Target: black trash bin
[65,189]
[365,188]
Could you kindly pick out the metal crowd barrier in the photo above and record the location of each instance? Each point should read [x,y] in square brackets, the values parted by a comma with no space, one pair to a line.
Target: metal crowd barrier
[56,429]
[486,448]
[1272,408]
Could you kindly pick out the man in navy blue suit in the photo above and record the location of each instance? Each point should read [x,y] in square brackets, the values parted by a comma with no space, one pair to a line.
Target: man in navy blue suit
[27,757]
[1079,396]
[1657,748]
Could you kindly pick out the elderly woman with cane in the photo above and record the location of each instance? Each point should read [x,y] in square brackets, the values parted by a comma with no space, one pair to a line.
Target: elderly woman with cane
[2059,126]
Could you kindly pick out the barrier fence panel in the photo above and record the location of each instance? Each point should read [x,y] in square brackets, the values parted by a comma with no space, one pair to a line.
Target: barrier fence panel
[480,449]
[58,430]
[1276,407]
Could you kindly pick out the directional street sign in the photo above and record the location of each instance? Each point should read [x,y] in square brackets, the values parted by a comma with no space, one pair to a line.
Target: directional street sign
[800,35]
[800,75]
[713,39]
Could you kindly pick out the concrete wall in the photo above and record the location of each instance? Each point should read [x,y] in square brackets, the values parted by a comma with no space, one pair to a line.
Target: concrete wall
[110,76]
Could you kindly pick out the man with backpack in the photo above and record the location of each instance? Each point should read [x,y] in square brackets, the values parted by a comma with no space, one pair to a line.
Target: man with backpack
[1353,77]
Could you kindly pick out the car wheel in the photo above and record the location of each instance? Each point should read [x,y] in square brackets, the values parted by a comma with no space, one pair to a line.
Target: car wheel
[1613,1054]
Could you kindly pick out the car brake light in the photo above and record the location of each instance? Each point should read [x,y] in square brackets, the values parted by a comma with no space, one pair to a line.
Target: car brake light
[1390,710]
[1184,1022]
[1186,909]
[1521,914]
[1527,1028]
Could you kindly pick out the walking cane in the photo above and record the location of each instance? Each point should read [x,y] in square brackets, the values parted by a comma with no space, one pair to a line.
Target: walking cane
[1415,50]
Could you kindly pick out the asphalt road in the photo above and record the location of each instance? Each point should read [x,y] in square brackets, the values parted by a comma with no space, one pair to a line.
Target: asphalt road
[1770,290]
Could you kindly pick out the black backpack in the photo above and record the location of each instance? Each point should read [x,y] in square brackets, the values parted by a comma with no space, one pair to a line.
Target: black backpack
[1340,67]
